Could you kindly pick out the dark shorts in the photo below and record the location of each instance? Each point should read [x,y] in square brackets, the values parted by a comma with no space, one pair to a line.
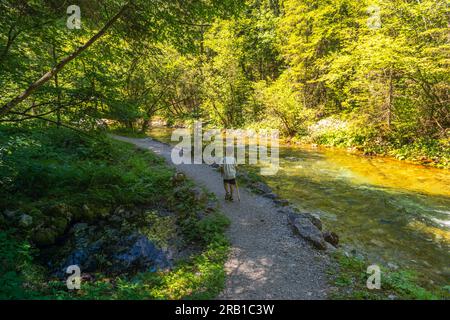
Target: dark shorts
[229,181]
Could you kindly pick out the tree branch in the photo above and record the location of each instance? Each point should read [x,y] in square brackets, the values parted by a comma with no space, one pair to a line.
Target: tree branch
[58,67]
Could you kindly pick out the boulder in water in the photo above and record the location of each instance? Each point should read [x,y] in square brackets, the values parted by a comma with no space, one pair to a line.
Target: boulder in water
[270,195]
[314,218]
[261,187]
[281,202]
[307,230]
[331,238]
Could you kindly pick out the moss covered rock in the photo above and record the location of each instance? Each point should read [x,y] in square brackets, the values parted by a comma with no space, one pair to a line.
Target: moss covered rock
[44,237]
[60,210]
[25,221]
[59,225]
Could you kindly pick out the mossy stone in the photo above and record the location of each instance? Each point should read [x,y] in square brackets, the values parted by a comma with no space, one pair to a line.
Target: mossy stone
[44,237]
[60,224]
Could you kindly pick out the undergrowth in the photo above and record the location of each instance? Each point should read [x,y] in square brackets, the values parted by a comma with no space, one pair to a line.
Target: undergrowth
[50,176]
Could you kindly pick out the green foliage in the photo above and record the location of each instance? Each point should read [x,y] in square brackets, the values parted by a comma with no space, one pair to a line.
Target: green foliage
[282,107]
[317,71]
[381,79]
[49,165]
[212,228]
[16,268]
[202,277]
[72,170]
[289,64]
[424,150]
[107,79]
[285,65]
[350,281]
[352,133]
[226,88]
[404,282]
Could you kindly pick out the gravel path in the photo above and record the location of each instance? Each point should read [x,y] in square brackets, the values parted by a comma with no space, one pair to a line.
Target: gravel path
[266,261]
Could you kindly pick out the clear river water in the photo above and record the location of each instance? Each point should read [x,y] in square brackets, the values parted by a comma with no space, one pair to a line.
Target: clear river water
[393,211]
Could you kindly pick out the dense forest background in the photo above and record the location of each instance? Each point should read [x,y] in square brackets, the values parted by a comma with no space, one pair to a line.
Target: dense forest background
[372,76]
[366,74]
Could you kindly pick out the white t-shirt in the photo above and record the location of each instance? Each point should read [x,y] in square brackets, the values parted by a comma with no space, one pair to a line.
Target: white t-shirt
[229,168]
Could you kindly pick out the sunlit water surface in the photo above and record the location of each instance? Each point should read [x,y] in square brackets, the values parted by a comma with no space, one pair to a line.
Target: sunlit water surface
[395,212]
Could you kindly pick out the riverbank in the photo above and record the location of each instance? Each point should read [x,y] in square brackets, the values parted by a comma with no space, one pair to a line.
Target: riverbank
[348,272]
[378,205]
[426,152]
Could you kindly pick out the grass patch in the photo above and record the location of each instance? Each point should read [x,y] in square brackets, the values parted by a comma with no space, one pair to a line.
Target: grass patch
[350,282]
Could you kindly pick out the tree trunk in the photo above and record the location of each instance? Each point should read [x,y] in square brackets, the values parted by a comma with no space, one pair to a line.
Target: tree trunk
[50,74]
[11,37]
[145,125]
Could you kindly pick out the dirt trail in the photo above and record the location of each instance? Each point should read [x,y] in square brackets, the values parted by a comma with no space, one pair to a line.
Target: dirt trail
[266,261]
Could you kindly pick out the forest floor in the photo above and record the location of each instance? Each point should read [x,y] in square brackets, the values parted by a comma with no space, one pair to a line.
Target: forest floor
[266,260]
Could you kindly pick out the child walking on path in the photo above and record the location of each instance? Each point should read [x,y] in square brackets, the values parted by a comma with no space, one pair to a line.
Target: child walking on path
[228,169]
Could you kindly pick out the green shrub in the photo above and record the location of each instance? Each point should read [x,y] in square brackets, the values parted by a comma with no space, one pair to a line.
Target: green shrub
[212,227]
[350,279]
[16,267]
